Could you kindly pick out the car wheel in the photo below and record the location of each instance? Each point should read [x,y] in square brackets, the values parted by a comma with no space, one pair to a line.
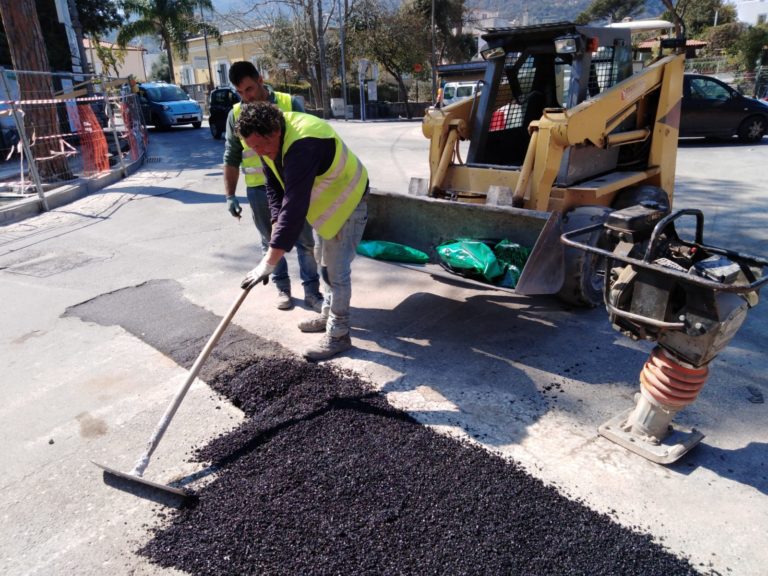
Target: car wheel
[752,129]
[215,130]
[196,125]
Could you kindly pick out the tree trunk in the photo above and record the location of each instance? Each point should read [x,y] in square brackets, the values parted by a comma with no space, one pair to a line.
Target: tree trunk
[323,68]
[169,53]
[404,90]
[27,47]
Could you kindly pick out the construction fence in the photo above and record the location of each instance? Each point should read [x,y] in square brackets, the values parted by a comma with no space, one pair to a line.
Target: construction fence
[60,129]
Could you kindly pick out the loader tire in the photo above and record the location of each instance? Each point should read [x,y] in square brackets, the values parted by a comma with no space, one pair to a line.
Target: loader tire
[584,272]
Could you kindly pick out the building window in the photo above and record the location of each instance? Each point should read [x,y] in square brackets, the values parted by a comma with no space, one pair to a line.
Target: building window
[187,75]
[761,18]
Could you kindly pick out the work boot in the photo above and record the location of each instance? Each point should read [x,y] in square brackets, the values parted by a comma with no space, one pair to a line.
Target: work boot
[315,324]
[284,300]
[314,302]
[327,347]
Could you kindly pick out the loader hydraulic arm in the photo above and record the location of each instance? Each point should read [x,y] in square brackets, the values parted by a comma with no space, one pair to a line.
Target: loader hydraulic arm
[594,122]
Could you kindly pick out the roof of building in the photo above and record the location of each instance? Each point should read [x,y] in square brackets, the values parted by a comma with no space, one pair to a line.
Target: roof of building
[87,45]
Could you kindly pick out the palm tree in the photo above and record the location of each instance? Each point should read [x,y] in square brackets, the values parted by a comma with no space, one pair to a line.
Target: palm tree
[173,20]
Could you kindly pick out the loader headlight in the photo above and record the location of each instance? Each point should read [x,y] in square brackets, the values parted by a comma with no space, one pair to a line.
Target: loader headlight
[567,45]
[492,53]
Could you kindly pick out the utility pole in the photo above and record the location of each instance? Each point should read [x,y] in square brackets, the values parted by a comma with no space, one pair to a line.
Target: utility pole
[207,54]
[342,24]
[323,71]
[434,60]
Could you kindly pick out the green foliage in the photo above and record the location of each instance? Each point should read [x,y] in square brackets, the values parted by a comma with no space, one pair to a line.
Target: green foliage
[611,11]
[109,57]
[173,20]
[750,46]
[724,38]
[160,70]
[393,37]
[98,16]
[699,15]
[449,17]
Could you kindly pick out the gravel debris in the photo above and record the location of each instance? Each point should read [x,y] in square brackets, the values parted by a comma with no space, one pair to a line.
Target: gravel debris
[326,477]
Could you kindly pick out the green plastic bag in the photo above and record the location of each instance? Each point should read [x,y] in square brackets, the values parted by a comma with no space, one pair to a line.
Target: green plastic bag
[391,251]
[512,257]
[470,258]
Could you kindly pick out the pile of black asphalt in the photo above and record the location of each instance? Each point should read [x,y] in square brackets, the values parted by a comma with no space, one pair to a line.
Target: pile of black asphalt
[326,477]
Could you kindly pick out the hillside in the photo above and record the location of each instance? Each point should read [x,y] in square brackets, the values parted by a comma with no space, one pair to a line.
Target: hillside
[551,10]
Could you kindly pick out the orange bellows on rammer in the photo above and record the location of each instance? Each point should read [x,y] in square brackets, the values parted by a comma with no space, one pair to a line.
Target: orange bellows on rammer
[669,382]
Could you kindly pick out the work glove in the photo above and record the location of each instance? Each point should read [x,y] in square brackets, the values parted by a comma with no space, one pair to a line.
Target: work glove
[234,206]
[259,274]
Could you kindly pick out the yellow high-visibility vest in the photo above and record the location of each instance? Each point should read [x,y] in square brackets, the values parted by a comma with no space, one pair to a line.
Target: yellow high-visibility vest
[335,193]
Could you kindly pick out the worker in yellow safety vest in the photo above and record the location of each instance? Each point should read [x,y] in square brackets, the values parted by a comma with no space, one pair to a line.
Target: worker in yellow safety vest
[239,157]
[311,177]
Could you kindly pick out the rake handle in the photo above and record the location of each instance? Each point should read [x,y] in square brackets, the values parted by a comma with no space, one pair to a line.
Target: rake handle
[162,425]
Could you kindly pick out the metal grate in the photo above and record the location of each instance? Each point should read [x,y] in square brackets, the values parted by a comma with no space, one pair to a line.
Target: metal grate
[153,159]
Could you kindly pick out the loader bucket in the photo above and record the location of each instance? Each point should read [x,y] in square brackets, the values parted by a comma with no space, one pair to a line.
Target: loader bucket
[424,223]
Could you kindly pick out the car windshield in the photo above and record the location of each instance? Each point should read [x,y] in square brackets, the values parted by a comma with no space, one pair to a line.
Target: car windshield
[166,94]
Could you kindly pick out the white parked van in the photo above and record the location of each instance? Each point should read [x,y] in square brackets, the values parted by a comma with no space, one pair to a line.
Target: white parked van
[455,91]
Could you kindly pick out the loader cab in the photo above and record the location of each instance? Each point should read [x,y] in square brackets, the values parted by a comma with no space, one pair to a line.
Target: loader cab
[533,68]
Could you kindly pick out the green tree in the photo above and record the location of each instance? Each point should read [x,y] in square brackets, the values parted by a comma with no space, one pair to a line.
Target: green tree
[159,70]
[725,38]
[611,10]
[174,21]
[750,45]
[451,43]
[291,43]
[395,37]
[109,57]
[699,15]
[98,16]
[299,36]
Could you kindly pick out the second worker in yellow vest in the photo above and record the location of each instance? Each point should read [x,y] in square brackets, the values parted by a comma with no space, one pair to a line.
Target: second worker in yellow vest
[239,157]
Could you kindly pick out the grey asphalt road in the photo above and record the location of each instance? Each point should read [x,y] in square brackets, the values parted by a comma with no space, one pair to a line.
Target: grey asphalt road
[525,377]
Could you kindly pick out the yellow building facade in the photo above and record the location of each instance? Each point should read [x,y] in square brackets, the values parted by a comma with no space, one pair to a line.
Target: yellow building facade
[238,45]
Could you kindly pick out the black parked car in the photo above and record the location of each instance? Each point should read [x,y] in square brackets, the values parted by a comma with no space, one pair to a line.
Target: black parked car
[220,102]
[713,109]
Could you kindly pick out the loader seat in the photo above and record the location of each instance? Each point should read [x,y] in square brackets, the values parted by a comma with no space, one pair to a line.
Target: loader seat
[508,136]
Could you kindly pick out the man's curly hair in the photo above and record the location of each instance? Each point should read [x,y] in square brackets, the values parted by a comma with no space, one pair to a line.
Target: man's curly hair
[260,118]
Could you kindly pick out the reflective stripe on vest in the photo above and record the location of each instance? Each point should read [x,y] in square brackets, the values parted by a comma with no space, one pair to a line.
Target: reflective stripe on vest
[337,192]
[251,163]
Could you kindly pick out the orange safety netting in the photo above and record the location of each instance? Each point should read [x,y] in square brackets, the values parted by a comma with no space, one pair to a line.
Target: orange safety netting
[92,141]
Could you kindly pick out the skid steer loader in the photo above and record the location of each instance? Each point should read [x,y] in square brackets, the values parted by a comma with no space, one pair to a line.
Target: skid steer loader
[572,152]
[560,132]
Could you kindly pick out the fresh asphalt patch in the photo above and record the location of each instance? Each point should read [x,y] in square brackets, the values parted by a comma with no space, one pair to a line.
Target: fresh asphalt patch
[326,477]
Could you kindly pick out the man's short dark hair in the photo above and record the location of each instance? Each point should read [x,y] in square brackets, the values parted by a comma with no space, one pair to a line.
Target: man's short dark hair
[260,118]
[241,70]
